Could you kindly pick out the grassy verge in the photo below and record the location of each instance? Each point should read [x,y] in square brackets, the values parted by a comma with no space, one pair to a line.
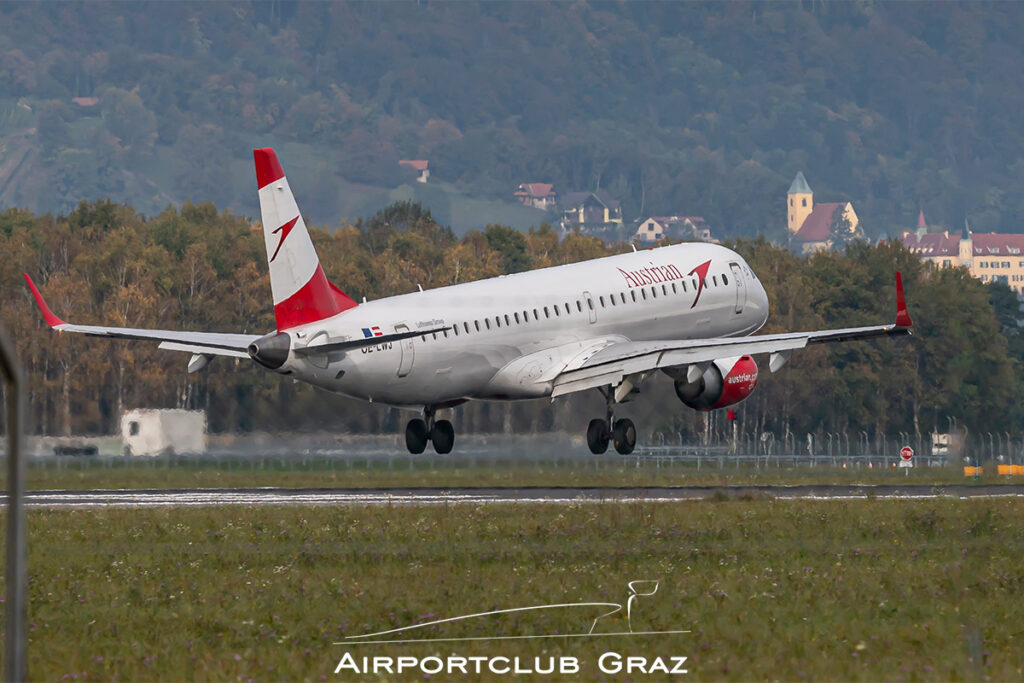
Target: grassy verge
[862,590]
[83,474]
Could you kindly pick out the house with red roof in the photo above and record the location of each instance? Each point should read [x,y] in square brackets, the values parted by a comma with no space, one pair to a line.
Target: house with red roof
[538,195]
[421,166]
[692,228]
[813,227]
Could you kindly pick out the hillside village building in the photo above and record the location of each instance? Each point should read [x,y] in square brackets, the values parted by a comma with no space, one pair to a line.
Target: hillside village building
[421,166]
[810,225]
[590,210]
[538,195]
[674,227]
[990,257]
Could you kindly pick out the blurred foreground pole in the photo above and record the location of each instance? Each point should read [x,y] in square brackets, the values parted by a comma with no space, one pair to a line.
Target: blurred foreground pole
[14,645]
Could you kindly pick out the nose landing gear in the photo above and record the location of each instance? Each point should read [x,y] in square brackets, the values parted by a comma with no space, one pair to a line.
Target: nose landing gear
[439,432]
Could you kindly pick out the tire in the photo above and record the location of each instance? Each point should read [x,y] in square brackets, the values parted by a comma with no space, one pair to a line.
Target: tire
[443,436]
[597,436]
[625,436]
[416,436]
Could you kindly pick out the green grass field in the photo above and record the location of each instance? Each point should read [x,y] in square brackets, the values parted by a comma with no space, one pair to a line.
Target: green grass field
[81,473]
[853,590]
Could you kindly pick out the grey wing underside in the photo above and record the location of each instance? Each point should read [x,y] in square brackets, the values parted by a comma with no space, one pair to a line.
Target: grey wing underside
[210,343]
[618,360]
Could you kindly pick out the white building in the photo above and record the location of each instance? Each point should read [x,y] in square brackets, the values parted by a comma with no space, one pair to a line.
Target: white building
[155,432]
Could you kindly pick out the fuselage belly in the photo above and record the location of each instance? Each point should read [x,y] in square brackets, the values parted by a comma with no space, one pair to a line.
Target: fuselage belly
[508,334]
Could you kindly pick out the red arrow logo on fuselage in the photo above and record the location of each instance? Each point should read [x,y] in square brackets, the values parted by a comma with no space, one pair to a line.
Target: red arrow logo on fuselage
[702,273]
[284,230]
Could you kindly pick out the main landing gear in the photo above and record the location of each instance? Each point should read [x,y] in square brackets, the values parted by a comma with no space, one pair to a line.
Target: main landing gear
[622,432]
[439,432]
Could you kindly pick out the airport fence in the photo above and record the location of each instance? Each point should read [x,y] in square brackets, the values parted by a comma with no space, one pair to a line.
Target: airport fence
[840,450]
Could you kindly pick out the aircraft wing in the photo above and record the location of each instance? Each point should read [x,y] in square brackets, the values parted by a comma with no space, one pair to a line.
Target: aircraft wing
[211,343]
[617,361]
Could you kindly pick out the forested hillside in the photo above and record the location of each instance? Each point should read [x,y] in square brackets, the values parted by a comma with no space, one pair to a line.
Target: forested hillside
[197,268]
[699,108]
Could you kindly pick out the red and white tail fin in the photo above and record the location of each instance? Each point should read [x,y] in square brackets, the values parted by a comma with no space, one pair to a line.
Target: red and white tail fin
[301,291]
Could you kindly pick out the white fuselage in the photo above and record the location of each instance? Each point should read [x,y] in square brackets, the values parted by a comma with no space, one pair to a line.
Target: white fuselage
[511,335]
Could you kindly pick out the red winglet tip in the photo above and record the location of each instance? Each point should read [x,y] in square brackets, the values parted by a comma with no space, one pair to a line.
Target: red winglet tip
[902,317]
[51,319]
[268,168]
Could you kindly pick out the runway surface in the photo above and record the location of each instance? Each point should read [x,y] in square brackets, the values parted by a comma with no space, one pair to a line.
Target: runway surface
[551,495]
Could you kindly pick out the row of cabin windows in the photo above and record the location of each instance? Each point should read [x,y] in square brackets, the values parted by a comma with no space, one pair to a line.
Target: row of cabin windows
[556,310]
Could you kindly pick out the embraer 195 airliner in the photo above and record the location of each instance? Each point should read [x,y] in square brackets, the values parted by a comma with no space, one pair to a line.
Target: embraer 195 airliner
[606,324]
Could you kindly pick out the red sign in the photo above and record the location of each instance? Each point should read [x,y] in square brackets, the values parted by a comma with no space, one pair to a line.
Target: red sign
[906,452]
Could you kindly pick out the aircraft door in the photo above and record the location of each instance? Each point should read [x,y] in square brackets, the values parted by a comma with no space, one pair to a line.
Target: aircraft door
[590,306]
[406,352]
[741,286]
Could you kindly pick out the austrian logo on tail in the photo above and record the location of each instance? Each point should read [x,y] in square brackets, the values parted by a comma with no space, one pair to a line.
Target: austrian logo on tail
[372,332]
[284,230]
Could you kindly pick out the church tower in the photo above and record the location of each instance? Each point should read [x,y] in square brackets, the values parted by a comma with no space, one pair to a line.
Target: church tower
[800,201]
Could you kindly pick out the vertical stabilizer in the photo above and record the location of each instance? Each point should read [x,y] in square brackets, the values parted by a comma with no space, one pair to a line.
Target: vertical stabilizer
[301,291]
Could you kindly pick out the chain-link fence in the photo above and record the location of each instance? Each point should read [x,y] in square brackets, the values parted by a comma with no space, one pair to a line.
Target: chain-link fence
[298,452]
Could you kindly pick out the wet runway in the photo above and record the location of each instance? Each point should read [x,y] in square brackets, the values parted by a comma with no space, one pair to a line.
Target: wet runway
[506,495]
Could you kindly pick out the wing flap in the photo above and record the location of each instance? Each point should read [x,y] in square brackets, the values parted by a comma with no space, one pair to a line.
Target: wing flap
[203,350]
[618,360]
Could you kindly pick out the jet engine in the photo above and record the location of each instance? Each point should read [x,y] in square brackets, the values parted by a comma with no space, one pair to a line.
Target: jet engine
[271,351]
[725,382]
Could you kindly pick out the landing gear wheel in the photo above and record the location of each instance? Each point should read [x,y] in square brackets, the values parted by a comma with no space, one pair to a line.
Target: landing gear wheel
[624,434]
[597,436]
[443,436]
[416,436]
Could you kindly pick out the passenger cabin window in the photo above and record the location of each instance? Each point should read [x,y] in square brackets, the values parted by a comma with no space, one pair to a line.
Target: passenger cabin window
[477,323]
[568,311]
[632,293]
[643,294]
[683,285]
[601,299]
[611,298]
[654,292]
[487,323]
[547,313]
[497,321]
[623,295]
[579,305]
[536,315]
[516,314]
[714,279]
[556,310]
[455,329]
[725,280]
[508,321]
[466,325]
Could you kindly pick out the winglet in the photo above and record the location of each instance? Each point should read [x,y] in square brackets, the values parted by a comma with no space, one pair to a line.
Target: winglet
[902,317]
[51,319]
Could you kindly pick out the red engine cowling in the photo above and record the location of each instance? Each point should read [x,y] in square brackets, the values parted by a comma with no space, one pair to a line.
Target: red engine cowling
[725,382]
